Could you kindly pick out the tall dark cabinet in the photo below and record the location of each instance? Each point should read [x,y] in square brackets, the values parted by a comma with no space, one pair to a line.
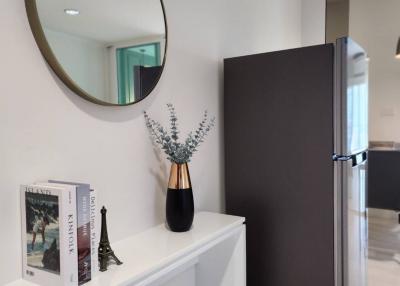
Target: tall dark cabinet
[279,169]
[384,180]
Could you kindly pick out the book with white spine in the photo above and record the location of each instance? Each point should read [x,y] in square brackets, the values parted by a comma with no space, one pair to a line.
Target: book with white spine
[71,261]
[49,235]
[83,230]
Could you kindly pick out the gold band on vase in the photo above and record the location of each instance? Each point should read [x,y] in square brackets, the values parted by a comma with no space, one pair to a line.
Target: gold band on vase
[179,177]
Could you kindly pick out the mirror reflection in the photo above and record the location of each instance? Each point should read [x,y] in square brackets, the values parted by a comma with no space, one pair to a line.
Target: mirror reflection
[113,53]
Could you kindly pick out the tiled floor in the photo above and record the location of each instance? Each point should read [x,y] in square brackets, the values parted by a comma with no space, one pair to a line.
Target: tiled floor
[384,248]
[383,273]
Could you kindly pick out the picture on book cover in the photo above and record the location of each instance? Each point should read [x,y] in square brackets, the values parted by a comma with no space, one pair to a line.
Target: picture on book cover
[43,232]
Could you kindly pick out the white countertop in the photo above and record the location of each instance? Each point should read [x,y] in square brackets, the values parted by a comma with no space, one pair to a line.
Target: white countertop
[385,149]
[146,253]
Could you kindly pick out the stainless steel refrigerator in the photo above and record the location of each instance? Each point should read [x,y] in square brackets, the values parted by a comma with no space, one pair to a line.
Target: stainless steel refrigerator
[296,139]
[350,156]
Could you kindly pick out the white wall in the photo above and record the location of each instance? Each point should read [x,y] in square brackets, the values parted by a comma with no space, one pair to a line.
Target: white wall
[268,25]
[259,26]
[84,59]
[375,26]
[49,132]
[313,22]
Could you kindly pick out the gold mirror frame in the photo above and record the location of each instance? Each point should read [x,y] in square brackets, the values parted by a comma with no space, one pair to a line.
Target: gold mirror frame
[47,52]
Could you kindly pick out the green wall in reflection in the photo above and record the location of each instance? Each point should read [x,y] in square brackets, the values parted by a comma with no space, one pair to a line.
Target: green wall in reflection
[147,55]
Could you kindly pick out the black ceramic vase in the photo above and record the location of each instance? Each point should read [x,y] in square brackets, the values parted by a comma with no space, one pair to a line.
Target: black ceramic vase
[180,206]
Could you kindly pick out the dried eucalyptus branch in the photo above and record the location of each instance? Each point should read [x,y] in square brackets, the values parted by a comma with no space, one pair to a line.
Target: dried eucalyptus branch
[178,152]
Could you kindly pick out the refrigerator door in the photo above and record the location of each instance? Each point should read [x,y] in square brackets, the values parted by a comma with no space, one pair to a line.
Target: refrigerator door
[278,129]
[354,220]
[351,98]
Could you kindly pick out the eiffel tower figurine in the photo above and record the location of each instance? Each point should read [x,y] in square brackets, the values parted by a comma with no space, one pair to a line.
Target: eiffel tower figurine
[105,251]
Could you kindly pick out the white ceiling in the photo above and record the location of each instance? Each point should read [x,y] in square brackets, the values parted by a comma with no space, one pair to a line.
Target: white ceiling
[104,20]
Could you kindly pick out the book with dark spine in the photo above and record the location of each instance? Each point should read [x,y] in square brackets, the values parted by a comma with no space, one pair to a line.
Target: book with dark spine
[93,232]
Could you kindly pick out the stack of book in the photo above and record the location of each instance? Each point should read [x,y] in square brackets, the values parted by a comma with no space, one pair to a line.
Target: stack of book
[59,233]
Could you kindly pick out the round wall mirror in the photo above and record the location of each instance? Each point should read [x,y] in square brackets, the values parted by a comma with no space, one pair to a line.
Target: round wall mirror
[108,52]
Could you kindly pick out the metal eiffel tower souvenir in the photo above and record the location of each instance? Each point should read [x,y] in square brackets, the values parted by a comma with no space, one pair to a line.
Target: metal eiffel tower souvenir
[105,251]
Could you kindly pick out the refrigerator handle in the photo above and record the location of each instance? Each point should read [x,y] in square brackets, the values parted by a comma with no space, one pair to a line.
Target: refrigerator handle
[336,157]
[356,159]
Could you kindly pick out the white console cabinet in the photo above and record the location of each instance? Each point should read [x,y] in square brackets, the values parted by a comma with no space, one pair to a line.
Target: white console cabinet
[213,253]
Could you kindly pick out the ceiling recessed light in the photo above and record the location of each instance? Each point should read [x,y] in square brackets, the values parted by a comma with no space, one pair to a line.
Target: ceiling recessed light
[71,12]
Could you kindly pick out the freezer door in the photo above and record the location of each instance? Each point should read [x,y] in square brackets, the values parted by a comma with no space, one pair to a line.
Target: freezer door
[354,220]
[351,98]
